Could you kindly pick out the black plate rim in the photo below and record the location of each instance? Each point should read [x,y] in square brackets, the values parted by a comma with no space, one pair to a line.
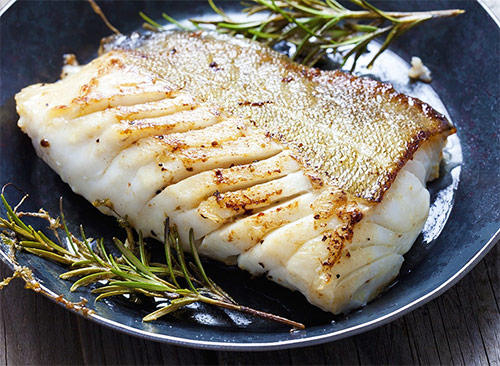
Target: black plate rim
[488,10]
[286,344]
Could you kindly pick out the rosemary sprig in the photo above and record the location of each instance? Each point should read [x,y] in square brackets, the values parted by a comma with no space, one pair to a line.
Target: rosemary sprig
[129,274]
[316,27]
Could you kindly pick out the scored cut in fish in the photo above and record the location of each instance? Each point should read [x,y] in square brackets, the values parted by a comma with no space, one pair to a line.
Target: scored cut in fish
[313,178]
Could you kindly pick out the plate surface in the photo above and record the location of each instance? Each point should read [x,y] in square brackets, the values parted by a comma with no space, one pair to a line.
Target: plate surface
[34,36]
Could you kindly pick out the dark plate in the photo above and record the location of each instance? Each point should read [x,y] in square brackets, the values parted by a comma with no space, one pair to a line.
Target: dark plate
[463,54]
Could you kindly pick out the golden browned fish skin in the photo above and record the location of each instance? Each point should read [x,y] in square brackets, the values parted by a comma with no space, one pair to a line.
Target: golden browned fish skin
[354,132]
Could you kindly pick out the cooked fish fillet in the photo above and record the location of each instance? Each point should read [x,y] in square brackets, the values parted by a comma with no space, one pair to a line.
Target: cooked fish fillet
[297,191]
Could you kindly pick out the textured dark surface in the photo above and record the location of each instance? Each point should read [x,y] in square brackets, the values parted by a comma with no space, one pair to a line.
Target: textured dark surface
[463,323]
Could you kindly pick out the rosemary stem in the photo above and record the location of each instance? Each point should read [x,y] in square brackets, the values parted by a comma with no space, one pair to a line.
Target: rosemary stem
[364,14]
[247,310]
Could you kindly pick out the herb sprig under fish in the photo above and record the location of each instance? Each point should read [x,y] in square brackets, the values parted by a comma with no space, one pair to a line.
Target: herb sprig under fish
[316,27]
[130,274]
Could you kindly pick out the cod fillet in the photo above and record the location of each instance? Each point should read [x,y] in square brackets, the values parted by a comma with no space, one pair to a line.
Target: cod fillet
[313,178]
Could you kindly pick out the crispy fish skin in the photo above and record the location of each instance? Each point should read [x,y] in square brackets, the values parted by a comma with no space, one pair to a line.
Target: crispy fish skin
[154,149]
[356,133]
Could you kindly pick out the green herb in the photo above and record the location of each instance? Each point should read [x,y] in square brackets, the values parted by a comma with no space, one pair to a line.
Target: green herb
[315,27]
[131,273]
